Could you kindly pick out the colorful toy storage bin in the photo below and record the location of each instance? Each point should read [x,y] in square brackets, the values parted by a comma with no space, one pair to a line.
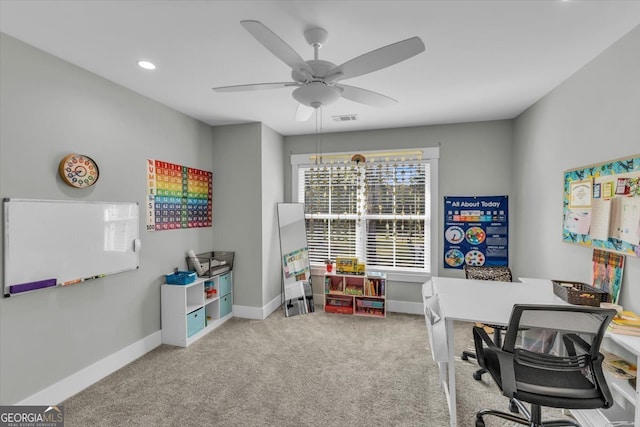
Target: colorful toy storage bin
[339,304]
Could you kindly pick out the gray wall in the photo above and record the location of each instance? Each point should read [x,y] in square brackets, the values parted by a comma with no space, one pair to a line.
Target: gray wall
[247,165]
[48,109]
[237,178]
[475,159]
[594,116]
[272,193]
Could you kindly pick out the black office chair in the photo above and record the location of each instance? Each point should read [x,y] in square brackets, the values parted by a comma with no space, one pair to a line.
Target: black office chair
[486,272]
[550,357]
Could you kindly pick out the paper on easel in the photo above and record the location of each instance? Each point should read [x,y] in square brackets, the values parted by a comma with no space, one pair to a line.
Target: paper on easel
[625,221]
[600,217]
[578,221]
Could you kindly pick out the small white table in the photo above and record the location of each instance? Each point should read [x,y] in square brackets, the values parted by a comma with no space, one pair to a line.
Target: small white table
[447,300]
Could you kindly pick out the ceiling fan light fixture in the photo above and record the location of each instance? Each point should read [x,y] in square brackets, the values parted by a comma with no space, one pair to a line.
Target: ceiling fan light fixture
[316,94]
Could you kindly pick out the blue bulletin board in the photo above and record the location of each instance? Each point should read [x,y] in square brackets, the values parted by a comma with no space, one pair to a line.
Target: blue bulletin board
[476,231]
[601,206]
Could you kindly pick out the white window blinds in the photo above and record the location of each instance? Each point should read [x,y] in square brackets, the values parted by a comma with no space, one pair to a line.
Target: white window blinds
[378,211]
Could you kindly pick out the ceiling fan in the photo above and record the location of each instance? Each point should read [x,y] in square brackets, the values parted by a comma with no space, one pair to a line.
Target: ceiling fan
[317,81]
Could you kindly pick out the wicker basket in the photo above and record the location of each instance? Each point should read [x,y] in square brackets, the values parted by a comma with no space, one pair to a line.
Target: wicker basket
[579,293]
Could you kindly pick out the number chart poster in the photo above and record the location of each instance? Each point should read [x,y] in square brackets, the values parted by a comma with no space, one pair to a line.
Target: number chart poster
[476,231]
[178,196]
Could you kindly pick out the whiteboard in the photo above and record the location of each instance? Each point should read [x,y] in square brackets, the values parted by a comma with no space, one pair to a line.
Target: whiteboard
[57,243]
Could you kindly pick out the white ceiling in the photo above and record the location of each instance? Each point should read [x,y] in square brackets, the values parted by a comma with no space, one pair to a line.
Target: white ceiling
[484,60]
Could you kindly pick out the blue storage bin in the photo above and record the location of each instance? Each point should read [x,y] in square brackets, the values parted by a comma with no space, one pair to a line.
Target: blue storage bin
[195,321]
[181,277]
[226,305]
[224,283]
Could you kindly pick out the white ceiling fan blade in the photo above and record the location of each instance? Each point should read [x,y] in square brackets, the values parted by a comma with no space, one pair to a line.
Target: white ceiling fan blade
[377,59]
[277,46]
[257,86]
[367,97]
[303,113]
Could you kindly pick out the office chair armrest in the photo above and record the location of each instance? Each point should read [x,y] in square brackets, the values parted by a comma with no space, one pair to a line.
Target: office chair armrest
[596,368]
[570,340]
[507,373]
[480,336]
[505,359]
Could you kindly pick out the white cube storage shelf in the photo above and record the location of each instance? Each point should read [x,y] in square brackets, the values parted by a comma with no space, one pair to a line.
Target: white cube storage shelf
[188,313]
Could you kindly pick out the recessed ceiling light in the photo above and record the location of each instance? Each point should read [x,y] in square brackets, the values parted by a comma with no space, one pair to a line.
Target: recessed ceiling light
[146,65]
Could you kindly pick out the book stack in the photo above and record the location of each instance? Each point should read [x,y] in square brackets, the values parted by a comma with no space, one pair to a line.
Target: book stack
[620,368]
[375,287]
[625,323]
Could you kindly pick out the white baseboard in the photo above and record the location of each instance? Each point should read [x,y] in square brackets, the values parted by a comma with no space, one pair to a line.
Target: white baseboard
[261,313]
[405,307]
[257,313]
[63,389]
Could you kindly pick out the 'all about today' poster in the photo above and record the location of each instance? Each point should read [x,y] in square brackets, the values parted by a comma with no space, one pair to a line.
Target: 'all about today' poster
[476,231]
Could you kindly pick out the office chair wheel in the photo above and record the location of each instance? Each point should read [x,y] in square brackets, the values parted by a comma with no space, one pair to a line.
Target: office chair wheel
[466,355]
[513,407]
[477,375]
[479,422]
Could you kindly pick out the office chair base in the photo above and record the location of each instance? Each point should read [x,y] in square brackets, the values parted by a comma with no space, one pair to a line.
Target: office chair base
[477,375]
[466,355]
[521,420]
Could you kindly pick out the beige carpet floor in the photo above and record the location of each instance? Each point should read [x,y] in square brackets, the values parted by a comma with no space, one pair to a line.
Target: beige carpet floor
[310,370]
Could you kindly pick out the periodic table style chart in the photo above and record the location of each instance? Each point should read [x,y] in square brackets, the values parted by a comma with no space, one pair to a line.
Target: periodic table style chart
[476,231]
[178,196]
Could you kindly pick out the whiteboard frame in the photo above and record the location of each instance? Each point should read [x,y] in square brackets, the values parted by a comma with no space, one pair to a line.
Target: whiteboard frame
[46,283]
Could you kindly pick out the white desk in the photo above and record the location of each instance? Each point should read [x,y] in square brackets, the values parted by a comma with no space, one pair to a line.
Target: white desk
[465,300]
[447,300]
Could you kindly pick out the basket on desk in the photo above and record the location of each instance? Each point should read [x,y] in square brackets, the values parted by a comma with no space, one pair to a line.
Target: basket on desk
[579,293]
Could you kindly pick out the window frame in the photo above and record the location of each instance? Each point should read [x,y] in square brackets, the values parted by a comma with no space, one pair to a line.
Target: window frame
[427,154]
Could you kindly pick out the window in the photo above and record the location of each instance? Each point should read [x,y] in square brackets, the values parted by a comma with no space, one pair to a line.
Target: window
[378,210]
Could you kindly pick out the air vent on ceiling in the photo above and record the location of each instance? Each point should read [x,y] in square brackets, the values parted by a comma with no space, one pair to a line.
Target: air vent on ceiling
[345,118]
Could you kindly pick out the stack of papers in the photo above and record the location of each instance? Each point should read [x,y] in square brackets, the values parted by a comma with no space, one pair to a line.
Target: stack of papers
[626,323]
[619,367]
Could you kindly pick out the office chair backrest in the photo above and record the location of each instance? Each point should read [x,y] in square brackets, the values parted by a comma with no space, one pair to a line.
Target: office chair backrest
[557,338]
[588,323]
[488,272]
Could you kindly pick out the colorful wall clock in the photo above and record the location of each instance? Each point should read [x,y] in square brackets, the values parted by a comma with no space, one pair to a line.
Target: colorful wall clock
[78,170]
